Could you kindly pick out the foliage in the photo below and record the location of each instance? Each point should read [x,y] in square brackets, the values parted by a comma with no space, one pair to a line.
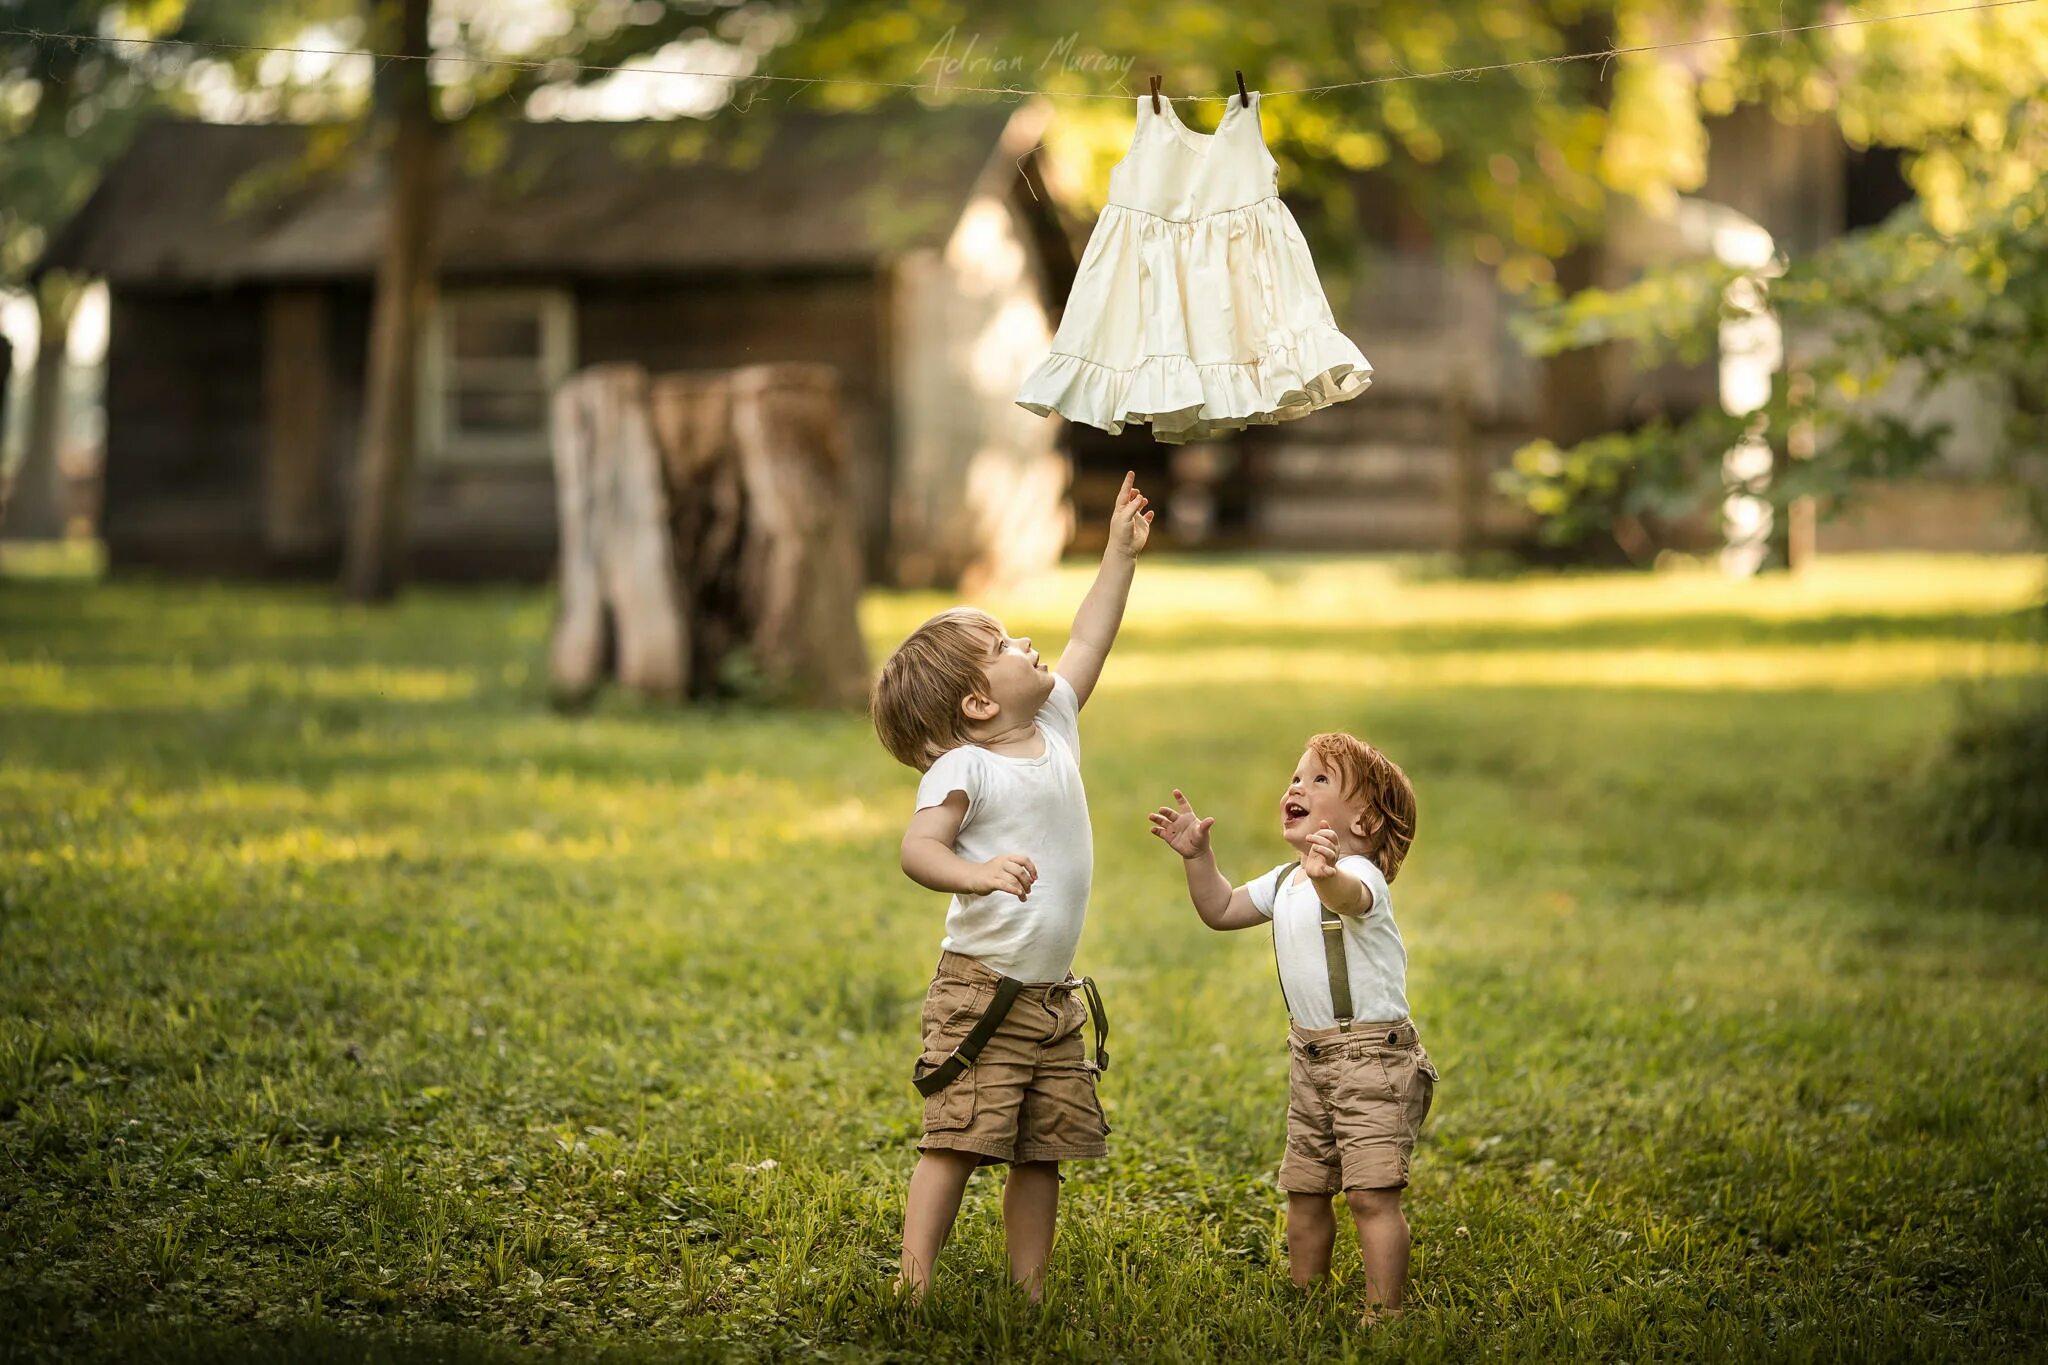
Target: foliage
[63,112]
[1951,288]
[68,108]
[1990,789]
[354,1006]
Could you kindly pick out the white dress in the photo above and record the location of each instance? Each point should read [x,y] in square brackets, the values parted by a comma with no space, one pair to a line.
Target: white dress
[1196,307]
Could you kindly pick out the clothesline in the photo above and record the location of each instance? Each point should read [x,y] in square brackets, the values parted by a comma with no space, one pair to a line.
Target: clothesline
[1012,91]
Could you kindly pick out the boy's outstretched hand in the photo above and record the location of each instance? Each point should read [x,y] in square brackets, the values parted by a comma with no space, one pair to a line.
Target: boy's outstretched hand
[1130,524]
[1185,832]
[1319,858]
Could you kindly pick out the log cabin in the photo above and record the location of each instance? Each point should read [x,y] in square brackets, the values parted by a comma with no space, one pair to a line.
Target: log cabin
[914,252]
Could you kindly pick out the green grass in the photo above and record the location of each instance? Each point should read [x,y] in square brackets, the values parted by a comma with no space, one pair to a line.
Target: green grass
[354,1006]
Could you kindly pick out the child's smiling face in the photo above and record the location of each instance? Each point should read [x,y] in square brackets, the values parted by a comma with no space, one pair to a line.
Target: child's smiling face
[1314,796]
[1018,680]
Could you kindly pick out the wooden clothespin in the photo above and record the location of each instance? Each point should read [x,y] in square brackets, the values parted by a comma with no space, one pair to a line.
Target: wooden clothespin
[1244,100]
[1155,94]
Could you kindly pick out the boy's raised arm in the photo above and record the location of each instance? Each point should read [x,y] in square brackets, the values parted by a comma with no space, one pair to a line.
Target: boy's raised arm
[1102,610]
[1220,905]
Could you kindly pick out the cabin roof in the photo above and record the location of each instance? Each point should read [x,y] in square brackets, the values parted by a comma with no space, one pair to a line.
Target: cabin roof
[771,190]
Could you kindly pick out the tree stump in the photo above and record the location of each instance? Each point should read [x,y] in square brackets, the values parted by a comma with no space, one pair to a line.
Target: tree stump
[692,417]
[705,519]
[800,575]
[621,602]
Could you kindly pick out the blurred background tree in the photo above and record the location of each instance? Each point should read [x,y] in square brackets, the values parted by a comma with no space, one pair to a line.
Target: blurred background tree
[66,110]
[1953,286]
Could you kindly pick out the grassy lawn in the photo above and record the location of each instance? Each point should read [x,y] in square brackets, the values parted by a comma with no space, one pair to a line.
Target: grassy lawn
[353,1005]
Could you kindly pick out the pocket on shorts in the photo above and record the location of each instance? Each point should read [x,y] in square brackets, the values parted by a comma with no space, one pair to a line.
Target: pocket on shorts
[953,1010]
[1365,1075]
[1425,1086]
[953,1107]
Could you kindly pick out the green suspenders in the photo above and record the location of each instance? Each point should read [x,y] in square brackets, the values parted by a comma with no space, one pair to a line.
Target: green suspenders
[964,1056]
[1333,953]
[1007,990]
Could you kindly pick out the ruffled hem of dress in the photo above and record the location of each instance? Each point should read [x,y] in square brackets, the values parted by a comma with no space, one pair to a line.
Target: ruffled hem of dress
[1184,401]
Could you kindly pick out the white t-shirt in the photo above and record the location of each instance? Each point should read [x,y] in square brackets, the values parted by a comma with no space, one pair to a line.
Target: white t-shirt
[1032,806]
[1373,953]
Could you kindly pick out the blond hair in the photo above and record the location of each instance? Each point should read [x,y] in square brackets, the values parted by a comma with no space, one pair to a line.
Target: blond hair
[1370,778]
[916,709]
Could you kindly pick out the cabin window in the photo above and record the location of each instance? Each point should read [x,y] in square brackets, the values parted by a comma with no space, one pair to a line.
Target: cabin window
[493,360]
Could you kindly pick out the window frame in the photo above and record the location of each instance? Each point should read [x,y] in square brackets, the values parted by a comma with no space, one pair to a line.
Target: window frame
[440,375]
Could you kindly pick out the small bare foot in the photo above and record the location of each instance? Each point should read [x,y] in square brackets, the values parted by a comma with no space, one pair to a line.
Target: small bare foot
[908,1294]
[1377,1313]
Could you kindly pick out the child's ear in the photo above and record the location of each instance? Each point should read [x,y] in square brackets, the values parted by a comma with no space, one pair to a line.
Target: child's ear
[1358,826]
[977,707]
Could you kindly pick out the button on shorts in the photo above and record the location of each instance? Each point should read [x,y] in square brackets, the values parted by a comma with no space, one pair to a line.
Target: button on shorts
[1355,1104]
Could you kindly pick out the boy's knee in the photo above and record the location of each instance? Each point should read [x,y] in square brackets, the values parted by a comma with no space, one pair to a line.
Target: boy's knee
[1374,1203]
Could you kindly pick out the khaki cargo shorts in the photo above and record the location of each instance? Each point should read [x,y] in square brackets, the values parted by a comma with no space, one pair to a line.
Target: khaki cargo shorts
[1355,1103]
[1031,1094]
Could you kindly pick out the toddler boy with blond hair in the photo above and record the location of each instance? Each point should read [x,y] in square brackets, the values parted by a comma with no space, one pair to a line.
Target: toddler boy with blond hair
[1002,824]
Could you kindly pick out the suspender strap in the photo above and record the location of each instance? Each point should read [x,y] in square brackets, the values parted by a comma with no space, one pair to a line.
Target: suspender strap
[964,1056]
[1099,1018]
[1280,880]
[1333,954]
[1339,969]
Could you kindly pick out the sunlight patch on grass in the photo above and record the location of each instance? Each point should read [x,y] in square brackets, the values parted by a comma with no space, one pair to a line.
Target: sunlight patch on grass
[179,685]
[1760,669]
[1339,593]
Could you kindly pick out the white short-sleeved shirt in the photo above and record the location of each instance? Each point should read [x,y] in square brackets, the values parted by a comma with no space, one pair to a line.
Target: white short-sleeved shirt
[1031,806]
[1373,953]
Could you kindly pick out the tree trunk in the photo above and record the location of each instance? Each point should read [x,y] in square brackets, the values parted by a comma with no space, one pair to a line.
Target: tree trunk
[375,551]
[692,419]
[620,598]
[37,505]
[1576,405]
[800,569]
[6,382]
[705,526]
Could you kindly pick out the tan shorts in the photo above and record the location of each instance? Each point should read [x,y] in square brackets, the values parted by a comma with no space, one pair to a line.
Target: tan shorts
[1031,1094]
[1355,1103]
